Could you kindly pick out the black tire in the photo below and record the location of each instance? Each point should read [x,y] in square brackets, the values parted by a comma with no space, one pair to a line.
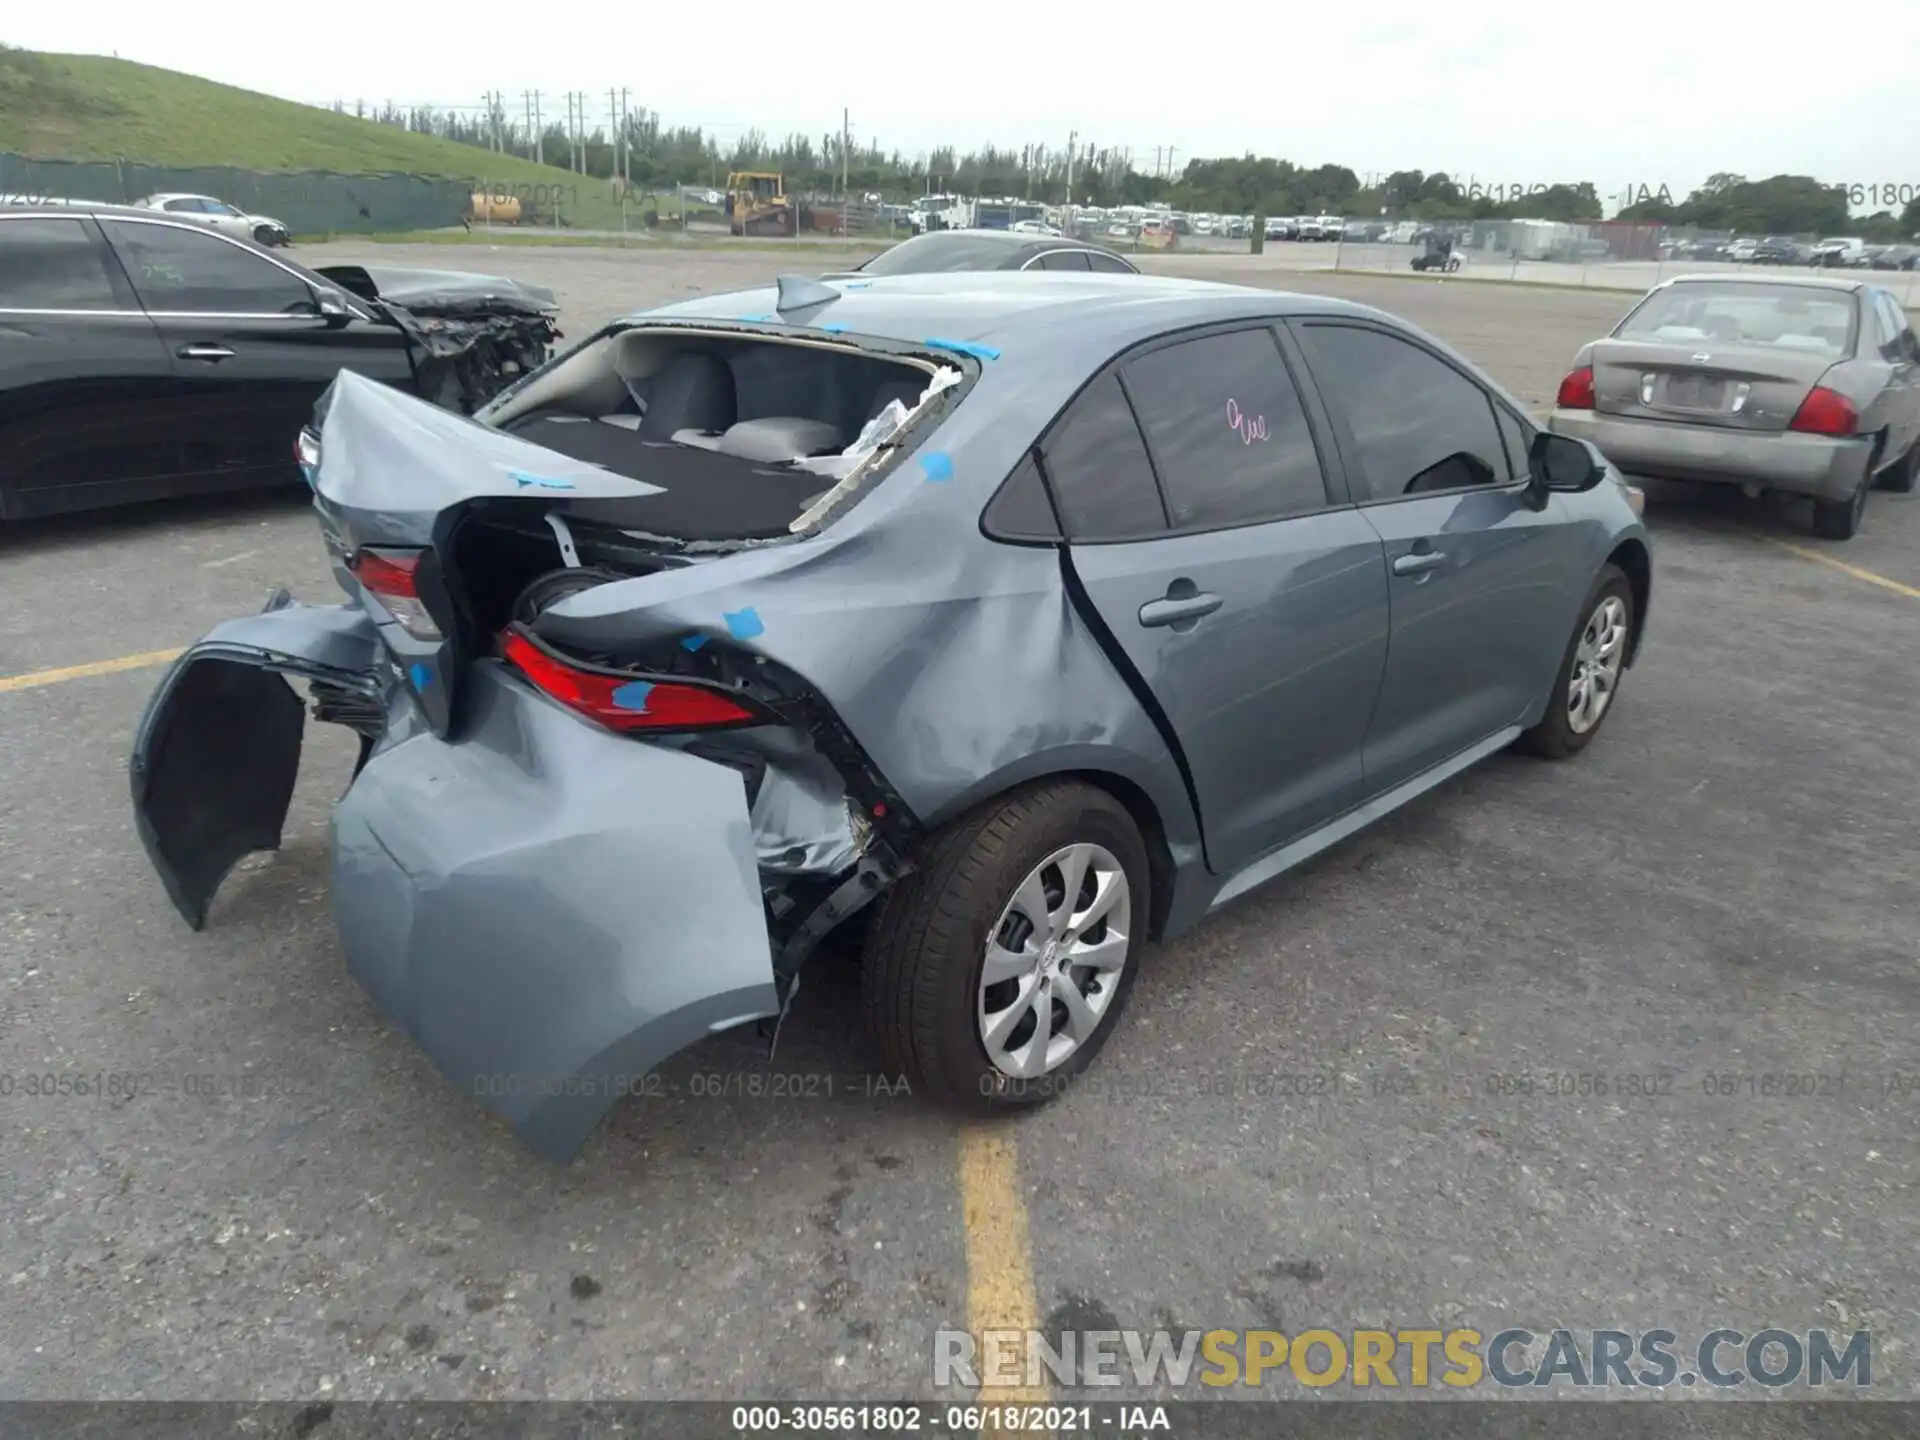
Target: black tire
[1899,478]
[1554,738]
[921,967]
[1840,519]
[264,237]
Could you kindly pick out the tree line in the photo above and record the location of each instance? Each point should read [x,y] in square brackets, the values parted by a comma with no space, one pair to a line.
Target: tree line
[662,156]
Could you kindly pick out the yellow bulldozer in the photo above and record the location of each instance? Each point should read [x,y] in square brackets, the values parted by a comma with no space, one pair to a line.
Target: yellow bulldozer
[758,204]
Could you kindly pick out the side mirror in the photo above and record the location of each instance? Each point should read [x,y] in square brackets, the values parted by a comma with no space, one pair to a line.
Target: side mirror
[1559,462]
[332,307]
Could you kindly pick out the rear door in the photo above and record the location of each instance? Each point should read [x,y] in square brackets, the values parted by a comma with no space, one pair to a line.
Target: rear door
[87,396]
[1482,586]
[1248,597]
[248,345]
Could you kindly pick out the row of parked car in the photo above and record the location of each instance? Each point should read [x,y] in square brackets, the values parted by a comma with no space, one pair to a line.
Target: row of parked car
[1835,252]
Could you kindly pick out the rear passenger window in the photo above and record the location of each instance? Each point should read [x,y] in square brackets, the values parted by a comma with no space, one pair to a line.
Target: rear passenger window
[1097,463]
[1107,264]
[1418,423]
[1065,260]
[52,265]
[1228,435]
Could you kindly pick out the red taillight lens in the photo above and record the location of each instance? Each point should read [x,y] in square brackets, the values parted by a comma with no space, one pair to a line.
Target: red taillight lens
[1576,391]
[391,576]
[625,702]
[1825,412]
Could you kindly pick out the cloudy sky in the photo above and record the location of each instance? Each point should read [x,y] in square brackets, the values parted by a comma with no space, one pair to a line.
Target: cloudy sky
[1622,95]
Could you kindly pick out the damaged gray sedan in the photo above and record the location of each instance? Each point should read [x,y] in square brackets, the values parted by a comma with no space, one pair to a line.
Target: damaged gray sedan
[1007,621]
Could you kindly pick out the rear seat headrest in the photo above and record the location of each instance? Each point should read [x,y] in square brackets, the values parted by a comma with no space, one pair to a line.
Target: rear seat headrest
[694,392]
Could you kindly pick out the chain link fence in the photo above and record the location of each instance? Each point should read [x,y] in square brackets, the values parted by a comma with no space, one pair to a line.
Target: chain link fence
[1606,254]
[307,202]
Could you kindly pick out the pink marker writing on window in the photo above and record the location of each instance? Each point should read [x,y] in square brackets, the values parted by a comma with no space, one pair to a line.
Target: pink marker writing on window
[1248,428]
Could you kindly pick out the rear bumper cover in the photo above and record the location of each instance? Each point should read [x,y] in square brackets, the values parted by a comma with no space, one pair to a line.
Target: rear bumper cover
[1822,466]
[548,909]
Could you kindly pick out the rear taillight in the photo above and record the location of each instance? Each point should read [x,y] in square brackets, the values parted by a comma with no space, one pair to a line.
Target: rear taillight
[1825,412]
[1576,391]
[626,702]
[390,576]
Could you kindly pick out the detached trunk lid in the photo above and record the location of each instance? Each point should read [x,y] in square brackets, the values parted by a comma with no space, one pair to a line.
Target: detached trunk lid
[1707,382]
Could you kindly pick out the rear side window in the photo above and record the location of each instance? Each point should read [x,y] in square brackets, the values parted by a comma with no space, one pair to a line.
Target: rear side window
[1227,431]
[52,265]
[1419,424]
[182,270]
[1063,260]
[1097,464]
[1107,264]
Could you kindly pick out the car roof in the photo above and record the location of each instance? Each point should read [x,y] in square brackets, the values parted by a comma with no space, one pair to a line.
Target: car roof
[1809,282]
[1005,308]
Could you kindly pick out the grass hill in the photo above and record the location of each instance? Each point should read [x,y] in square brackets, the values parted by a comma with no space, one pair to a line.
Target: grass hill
[90,107]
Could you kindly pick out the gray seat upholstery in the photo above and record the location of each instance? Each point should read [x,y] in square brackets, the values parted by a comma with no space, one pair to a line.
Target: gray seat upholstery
[905,391]
[694,392]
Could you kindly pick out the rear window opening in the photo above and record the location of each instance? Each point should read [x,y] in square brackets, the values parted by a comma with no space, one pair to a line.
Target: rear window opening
[748,439]
[1787,317]
[745,436]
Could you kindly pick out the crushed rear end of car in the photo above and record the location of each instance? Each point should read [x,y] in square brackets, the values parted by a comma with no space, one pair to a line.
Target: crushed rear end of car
[594,817]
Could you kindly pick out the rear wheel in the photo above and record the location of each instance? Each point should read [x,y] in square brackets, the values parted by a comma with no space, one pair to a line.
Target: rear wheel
[1840,519]
[996,971]
[1590,672]
[265,236]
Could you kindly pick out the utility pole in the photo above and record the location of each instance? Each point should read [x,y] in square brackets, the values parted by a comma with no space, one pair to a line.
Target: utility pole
[533,124]
[845,137]
[1170,172]
[1073,144]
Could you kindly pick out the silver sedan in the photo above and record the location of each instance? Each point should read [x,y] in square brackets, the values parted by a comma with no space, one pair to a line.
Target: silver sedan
[1807,386]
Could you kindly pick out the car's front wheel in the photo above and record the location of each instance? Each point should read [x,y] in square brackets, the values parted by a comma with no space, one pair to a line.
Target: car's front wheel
[1900,476]
[998,968]
[1590,672]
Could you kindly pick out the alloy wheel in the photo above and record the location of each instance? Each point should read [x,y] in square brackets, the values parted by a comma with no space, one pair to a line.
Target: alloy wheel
[1054,961]
[1596,664]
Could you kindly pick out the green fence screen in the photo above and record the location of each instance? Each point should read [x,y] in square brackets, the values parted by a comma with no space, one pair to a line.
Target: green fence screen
[307,202]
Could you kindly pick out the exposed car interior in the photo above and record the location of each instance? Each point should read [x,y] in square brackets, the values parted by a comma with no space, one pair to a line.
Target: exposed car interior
[742,434]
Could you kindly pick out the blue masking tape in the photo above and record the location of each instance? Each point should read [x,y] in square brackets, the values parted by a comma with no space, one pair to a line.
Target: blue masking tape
[756,319]
[523,479]
[420,675]
[744,624]
[693,642]
[857,285]
[633,696]
[937,466]
[965,347]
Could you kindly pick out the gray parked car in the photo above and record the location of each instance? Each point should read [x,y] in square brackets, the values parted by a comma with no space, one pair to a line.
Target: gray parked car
[1049,612]
[1807,386]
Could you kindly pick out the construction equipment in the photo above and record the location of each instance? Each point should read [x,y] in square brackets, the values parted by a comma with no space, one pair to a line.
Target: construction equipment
[758,204]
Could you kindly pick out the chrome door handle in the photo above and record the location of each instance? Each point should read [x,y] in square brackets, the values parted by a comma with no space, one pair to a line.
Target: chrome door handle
[1419,561]
[204,352]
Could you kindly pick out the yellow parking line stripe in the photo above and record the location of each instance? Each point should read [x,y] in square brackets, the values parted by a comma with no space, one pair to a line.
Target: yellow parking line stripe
[1821,557]
[1000,1290]
[33,679]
